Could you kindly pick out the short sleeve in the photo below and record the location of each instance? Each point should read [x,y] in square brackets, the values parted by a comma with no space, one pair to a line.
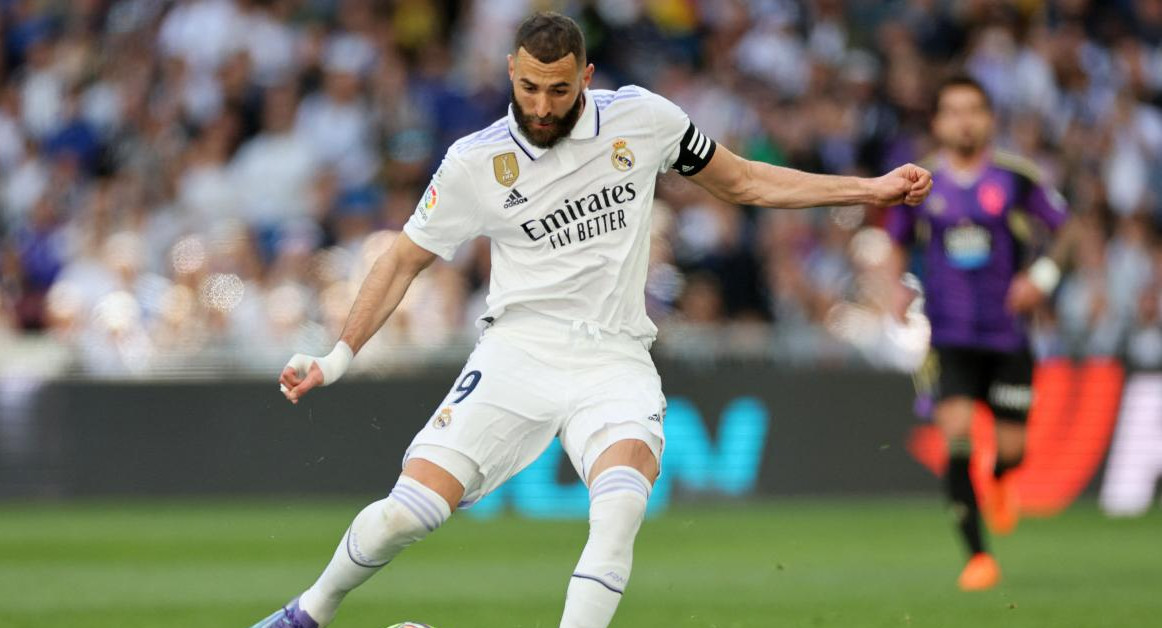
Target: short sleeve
[447,214]
[1047,204]
[670,124]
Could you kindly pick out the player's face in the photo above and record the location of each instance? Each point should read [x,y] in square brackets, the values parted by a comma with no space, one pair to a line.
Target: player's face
[963,120]
[546,97]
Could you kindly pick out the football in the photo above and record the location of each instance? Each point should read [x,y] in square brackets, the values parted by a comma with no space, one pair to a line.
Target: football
[409,624]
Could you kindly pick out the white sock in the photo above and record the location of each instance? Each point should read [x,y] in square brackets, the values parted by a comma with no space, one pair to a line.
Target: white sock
[617,504]
[379,532]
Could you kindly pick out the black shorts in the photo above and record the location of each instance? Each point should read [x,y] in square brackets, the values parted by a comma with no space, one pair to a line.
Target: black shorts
[1003,380]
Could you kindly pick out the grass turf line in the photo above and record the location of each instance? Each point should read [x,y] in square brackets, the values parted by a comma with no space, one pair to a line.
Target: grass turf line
[787,563]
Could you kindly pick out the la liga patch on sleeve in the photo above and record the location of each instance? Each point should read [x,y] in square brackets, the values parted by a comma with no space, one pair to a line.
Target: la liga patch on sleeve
[428,202]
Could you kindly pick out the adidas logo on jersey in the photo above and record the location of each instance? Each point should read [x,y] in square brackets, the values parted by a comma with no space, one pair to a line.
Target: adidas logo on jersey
[514,198]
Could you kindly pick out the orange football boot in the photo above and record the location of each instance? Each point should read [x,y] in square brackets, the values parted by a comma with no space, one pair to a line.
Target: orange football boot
[982,572]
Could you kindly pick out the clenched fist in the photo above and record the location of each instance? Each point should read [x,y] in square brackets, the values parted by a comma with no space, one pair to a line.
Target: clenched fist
[908,184]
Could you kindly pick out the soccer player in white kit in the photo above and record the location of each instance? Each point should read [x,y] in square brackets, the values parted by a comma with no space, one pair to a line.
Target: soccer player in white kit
[563,187]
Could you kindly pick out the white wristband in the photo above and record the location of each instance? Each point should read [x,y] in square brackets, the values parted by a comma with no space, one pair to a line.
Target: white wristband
[333,365]
[1045,274]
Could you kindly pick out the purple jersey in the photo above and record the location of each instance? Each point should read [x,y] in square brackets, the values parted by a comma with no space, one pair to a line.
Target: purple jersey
[976,235]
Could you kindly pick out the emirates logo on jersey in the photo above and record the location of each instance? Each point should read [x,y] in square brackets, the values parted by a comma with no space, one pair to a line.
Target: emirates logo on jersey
[583,218]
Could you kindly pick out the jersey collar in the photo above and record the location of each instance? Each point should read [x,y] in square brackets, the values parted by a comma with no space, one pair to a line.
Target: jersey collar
[588,127]
[967,178]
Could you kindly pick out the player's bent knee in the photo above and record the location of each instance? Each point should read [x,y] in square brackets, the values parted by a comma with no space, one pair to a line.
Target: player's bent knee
[631,450]
[435,476]
[386,527]
[954,417]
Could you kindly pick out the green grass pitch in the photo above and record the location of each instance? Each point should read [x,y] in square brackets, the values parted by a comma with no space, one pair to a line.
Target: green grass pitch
[785,563]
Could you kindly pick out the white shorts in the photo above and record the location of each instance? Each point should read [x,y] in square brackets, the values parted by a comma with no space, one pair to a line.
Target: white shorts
[530,379]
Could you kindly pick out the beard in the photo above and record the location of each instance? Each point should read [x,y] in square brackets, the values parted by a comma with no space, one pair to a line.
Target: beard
[968,143]
[967,148]
[546,137]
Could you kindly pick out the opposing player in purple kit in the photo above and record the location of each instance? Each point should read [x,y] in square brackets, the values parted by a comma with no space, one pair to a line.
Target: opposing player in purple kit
[563,186]
[978,233]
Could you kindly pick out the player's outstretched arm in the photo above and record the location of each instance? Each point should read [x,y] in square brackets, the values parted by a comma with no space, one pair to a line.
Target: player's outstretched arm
[381,292]
[737,180]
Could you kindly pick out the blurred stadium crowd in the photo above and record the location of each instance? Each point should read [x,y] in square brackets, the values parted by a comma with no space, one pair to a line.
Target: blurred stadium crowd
[202,183]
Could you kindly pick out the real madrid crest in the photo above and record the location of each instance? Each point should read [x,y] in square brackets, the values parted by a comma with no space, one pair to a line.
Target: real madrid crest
[443,419]
[622,156]
[506,169]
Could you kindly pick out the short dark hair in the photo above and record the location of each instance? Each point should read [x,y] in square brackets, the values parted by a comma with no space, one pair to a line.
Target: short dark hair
[549,36]
[962,80]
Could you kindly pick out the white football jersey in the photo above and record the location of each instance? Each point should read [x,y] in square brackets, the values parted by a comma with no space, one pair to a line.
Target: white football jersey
[569,225]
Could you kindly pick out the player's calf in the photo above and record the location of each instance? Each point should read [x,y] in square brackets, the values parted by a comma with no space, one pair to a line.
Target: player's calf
[377,535]
[1000,502]
[617,505]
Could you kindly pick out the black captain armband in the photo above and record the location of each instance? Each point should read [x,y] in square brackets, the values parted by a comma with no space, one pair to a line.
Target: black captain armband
[694,152]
